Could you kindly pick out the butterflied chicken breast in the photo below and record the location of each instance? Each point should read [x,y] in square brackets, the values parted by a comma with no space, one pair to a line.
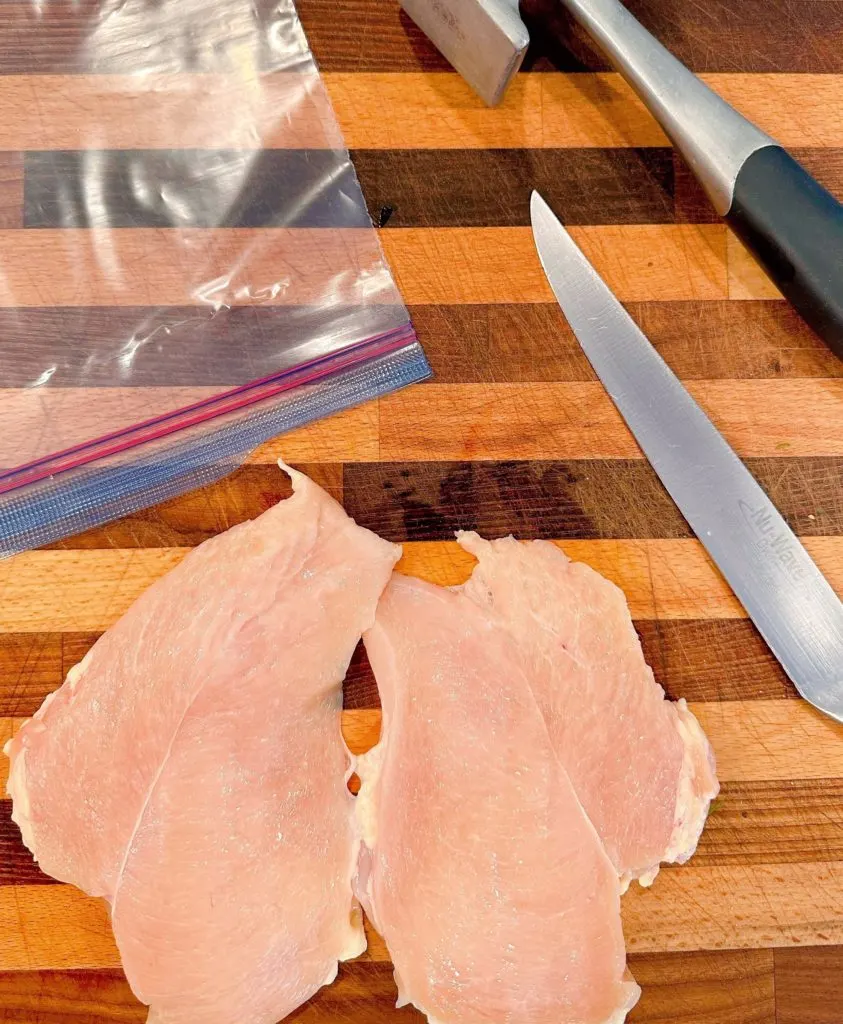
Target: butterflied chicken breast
[481,870]
[640,764]
[191,769]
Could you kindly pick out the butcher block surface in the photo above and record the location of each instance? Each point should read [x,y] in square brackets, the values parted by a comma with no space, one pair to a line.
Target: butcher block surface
[514,434]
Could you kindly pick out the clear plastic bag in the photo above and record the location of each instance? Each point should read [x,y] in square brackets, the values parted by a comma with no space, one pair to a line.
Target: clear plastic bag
[196,270]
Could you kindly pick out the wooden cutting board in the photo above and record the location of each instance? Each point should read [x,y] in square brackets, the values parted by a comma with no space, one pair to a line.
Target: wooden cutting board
[514,434]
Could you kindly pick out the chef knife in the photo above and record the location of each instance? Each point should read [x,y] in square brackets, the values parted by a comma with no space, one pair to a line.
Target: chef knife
[774,577]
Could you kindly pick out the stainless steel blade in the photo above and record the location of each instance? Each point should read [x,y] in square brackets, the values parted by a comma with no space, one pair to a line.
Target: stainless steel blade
[774,577]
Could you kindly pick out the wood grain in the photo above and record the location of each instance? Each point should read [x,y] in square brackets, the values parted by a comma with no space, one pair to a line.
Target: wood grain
[574,498]
[196,188]
[431,500]
[86,591]
[746,278]
[466,343]
[350,434]
[579,420]
[679,651]
[421,188]
[449,179]
[478,188]
[754,741]
[754,35]
[483,187]
[480,265]
[767,822]
[790,821]
[549,111]
[749,36]
[733,987]
[64,267]
[497,343]
[664,579]
[808,985]
[686,910]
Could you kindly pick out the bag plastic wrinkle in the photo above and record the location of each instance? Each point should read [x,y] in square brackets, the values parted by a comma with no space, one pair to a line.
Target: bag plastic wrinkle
[196,271]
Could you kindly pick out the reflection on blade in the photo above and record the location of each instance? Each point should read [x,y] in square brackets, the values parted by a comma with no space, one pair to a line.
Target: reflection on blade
[785,594]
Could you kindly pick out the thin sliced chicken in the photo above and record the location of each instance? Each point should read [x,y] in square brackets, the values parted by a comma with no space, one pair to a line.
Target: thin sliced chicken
[481,870]
[641,765]
[191,770]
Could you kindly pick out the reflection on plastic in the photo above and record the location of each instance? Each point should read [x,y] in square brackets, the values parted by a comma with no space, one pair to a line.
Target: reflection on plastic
[195,269]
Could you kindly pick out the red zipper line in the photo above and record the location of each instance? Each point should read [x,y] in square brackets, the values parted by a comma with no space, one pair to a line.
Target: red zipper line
[208,409]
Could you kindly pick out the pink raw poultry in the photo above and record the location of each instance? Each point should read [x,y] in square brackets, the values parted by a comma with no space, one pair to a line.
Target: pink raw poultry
[641,765]
[488,882]
[191,770]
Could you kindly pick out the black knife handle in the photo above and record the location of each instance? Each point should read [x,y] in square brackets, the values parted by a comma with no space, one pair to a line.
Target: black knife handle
[794,227]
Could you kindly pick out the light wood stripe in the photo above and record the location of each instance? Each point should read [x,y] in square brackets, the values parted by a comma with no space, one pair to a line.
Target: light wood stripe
[195,266]
[87,590]
[8,727]
[753,740]
[51,927]
[429,111]
[278,266]
[639,262]
[382,111]
[154,111]
[746,278]
[663,579]
[40,422]
[578,420]
[458,422]
[346,436]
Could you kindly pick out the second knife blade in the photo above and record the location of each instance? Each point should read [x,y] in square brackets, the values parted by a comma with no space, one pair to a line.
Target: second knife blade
[787,597]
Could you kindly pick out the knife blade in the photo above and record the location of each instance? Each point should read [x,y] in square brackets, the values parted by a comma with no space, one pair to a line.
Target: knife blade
[792,604]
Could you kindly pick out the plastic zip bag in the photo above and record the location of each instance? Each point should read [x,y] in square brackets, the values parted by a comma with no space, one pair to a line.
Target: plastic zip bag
[196,272]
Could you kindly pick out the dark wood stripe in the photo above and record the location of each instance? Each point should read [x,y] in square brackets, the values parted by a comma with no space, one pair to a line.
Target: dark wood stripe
[170,345]
[723,987]
[34,664]
[750,823]
[69,36]
[809,985]
[189,519]
[31,665]
[481,188]
[190,188]
[465,343]
[574,499]
[17,866]
[717,35]
[557,500]
[700,340]
[720,35]
[355,35]
[403,188]
[710,987]
[792,822]
[693,206]
[679,652]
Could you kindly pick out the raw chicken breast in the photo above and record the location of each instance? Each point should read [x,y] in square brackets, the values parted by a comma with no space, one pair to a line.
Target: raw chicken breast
[191,770]
[641,765]
[483,874]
